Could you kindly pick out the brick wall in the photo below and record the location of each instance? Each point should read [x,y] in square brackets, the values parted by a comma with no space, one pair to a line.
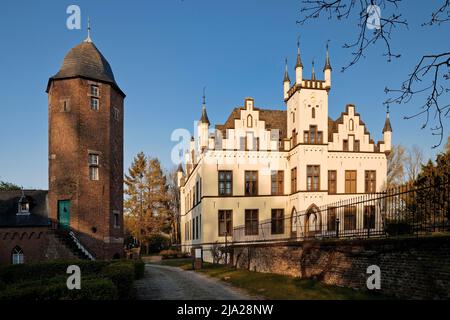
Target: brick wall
[37,243]
[410,268]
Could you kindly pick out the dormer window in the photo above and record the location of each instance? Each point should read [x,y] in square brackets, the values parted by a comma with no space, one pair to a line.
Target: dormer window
[24,205]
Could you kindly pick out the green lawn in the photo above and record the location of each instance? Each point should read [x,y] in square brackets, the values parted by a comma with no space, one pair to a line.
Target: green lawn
[274,286]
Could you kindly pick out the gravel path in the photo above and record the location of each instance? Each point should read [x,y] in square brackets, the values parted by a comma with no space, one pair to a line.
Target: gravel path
[170,283]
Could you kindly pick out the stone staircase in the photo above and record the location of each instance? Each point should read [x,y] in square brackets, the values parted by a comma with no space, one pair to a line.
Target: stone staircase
[66,245]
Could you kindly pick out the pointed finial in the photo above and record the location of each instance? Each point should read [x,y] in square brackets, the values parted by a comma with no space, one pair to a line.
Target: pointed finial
[88,39]
[313,75]
[286,75]
[387,123]
[204,96]
[299,59]
[327,58]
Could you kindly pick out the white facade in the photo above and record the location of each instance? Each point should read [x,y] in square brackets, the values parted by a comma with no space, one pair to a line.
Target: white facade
[302,145]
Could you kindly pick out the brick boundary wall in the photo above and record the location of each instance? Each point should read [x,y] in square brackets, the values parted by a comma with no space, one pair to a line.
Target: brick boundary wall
[413,268]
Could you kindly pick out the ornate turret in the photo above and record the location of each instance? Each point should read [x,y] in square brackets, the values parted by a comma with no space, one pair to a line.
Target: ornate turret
[203,126]
[286,81]
[327,70]
[387,132]
[298,66]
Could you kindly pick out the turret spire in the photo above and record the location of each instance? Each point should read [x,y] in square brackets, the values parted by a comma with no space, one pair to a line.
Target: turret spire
[88,39]
[313,74]
[299,59]
[387,122]
[286,75]
[204,117]
[327,59]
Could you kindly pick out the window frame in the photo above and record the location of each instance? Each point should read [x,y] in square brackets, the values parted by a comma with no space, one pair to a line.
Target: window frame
[294,180]
[227,221]
[313,173]
[332,183]
[349,181]
[277,180]
[277,221]
[370,182]
[225,182]
[251,182]
[251,222]
[350,218]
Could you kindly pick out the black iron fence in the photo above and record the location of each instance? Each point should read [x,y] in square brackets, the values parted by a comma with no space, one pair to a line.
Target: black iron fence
[408,210]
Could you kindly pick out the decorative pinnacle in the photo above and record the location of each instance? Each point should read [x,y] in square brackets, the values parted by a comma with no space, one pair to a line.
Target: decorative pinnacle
[88,39]
[299,60]
[327,59]
[313,75]
[286,75]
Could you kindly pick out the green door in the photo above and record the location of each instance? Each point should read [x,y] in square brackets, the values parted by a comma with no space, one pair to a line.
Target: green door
[64,213]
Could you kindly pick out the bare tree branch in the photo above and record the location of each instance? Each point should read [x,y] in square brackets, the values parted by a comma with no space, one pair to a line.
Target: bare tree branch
[342,9]
[440,15]
[435,69]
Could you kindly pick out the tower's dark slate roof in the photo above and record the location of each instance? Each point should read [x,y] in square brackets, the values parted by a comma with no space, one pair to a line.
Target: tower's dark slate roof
[37,200]
[85,60]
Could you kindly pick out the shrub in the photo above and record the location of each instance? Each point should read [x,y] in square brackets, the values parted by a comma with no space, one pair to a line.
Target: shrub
[139,269]
[49,269]
[55,289]
[168,254]
[122,274]
[157,242]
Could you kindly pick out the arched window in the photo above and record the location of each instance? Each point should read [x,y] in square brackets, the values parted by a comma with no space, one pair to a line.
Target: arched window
[17,255]
[249,121]
[313,113]
[351,125]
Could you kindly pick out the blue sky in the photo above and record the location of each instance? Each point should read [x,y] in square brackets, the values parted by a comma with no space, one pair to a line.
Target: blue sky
[163,53]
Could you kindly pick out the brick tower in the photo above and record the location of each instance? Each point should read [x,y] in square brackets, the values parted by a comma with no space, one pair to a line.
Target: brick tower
[85,107]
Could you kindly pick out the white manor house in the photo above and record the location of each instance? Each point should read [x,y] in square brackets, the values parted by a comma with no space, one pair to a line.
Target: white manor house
[251,177]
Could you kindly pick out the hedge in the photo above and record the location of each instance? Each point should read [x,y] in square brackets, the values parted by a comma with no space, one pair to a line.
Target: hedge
[122,274]
[49,269]
[91,289]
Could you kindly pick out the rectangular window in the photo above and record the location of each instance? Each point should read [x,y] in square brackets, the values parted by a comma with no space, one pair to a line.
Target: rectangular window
[345,145]
[94,104]
[94,90]
[313,136]
[350,218]
[225,223]
[251,222]
[293,180]
[370,181]
[294,138]
[332,185]
[193,197]
[116,220]
[193,228]
[277,221]
[331,219]
[356,145]
[277,182]
[116,114]
[369,217]
[313,178]
[251,183]
[350,181]
[196,227]
[93,161]
[225,183]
